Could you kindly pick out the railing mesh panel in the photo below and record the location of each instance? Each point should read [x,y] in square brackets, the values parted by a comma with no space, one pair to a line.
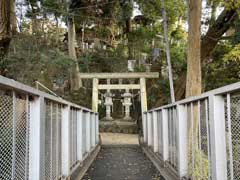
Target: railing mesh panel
[31,124]
[93,127]
[14,133]
[160,131]
[146,125]
[48,141]
[233,137]
[59,140]
[189,136]
[199,156]
[150,128]
[73,137]
[172,132]
[21,141]
[203,137]
[84,133]
[204,154]
[95,133]
[52,141]
[6,135]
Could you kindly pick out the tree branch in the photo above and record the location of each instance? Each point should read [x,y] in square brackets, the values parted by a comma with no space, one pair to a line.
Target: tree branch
[224,21]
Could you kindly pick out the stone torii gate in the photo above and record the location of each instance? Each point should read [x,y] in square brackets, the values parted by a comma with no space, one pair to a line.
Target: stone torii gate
[142,76]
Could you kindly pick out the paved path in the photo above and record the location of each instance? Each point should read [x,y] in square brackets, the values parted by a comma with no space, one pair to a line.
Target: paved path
[122,163]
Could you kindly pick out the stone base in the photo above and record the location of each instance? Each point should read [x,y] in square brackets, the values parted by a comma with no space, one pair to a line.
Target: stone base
[118,126]
[127,119]
[107,119]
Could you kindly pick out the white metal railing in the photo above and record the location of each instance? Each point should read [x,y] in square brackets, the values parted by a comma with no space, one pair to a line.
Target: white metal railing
[42,137]
[198,137]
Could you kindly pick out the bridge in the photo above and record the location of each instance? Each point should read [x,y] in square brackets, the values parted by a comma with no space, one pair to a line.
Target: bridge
[44,137]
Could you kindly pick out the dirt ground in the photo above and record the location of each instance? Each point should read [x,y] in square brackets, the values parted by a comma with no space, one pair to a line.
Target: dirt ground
[119,139]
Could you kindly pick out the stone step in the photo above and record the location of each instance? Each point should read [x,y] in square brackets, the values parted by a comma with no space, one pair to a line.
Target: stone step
[119,126]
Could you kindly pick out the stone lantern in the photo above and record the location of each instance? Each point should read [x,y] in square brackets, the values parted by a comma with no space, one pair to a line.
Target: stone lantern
[108,103]
[127,103]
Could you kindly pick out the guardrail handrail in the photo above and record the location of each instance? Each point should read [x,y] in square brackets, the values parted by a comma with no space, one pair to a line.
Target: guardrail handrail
[42,136]
[14,85]
[222,90]
[198,137]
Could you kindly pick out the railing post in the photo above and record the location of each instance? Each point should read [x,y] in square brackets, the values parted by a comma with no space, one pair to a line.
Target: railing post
[182,140]
[79,136]
[149,131]
[165,134]
[144,124]
[36,138]
[218,138]
[88,132]
[155,131]
[65,141]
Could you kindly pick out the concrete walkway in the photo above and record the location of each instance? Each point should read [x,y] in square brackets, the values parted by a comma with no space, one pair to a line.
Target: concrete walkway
[121,161]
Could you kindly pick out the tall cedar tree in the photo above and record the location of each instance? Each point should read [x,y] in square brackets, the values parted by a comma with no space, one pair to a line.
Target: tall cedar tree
[5,28]
[194,78]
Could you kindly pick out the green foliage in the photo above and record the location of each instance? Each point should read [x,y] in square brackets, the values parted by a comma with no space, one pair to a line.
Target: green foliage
[42,56]
[225,67]
[103,32]
[144,33]
[236,36]
[127,9]
[84,61]
[54,7]
[140,68]
[141,38]
[200,165]
[179,58]
[233,56]
[33,8]
[232,4]
[178,34]
[152,9]
[28,62]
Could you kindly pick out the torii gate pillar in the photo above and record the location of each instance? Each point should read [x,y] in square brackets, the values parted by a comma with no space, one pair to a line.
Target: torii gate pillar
[143,94]
[95,95]
[141,85]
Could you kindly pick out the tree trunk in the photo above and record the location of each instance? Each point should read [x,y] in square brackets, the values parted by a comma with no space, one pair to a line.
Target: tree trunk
[194,80]
[165,27]
[57,30]
[5,29]
[209,42]
[75,80]
[13,17]
[213,12]
[127,28]
[130,45]
[194,77]
[45,42]
[35,23]
[20,18]
[216,31]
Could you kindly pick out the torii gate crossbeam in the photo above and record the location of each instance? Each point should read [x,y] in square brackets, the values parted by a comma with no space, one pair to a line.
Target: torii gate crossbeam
[142,76]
